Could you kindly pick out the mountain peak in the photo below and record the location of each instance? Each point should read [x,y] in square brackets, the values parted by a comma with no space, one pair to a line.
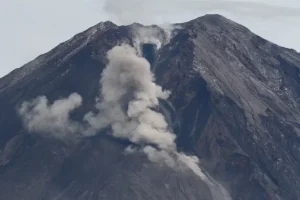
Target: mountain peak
[211,17]
[233,103]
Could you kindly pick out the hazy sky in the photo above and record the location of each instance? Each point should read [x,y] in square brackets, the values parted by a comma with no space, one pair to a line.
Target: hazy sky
[32,27]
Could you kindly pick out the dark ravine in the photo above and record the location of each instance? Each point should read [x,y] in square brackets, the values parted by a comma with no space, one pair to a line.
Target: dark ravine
[234,104]
[149,52]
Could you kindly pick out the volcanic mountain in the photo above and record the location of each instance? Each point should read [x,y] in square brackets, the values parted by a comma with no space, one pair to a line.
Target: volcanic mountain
[233,102]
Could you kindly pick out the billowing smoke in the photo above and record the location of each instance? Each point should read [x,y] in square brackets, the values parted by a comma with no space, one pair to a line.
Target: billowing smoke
[158,35]
[153,35]
[129,96]
[51,120]
[128,102]
[160,156]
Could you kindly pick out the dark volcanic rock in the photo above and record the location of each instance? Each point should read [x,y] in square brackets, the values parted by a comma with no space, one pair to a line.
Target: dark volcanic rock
[234,104]
[98,168]
[237,99]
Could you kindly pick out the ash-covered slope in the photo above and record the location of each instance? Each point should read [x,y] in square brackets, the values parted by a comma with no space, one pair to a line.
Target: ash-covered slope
[234,103]
[236,96]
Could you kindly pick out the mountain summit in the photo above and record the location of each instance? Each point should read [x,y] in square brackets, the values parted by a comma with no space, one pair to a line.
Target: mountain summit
[210,88]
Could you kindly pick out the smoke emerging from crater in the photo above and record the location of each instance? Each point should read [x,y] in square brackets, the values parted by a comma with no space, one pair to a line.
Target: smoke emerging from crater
[154,35]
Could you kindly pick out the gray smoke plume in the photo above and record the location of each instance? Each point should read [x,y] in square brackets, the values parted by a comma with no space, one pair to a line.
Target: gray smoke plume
[129,95]
[51,120]
[159,36]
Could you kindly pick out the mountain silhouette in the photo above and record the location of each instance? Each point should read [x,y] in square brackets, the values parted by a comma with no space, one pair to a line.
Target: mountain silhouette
[234,103]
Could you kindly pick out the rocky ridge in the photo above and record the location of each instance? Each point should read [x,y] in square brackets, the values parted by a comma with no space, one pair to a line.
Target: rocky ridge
[234,104]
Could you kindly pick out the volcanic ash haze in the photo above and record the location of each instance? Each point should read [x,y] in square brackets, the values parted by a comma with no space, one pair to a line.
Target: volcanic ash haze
[128,94]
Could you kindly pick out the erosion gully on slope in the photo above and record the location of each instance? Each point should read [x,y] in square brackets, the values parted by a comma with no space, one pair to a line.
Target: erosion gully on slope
[150,52]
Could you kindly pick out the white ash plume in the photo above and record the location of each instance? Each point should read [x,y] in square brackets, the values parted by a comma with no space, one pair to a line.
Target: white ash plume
[51,120]
[158,35]
[129,96]
[124,12]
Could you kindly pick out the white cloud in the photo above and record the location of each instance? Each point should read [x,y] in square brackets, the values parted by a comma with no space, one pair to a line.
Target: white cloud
[128,93]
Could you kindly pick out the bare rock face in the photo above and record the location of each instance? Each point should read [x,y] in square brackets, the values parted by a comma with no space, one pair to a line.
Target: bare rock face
[234,104]
[236,96]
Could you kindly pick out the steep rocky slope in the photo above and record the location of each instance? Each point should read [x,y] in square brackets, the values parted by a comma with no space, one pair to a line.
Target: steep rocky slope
[236,95]
[234,104]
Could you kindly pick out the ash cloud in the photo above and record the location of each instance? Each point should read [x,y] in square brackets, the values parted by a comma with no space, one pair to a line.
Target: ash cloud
[158,35]
[129,96]
[51,120]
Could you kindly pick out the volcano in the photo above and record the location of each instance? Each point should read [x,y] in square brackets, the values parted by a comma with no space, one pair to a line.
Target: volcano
[234,104]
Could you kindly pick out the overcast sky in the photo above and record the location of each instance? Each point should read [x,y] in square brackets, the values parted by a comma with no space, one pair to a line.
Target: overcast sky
[33,27]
